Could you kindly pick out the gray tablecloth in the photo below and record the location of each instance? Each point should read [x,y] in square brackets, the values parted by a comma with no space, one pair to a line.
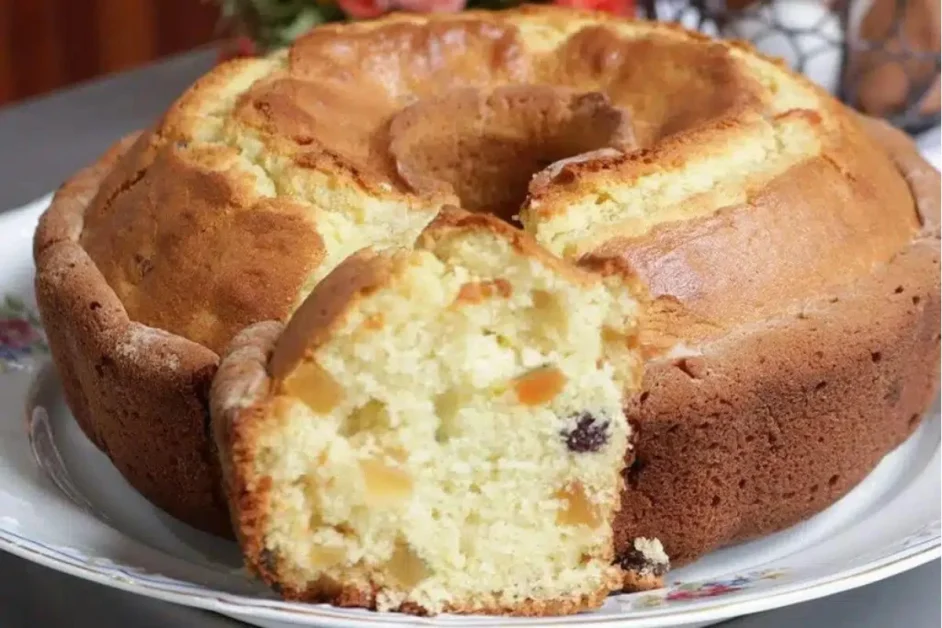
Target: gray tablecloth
[41,143]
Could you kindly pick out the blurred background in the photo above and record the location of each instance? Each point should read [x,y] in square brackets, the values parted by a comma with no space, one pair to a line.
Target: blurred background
[49,44]
[880,56]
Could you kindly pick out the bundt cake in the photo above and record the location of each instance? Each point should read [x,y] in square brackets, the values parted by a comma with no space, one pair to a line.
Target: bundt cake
[435,429]
[784,252]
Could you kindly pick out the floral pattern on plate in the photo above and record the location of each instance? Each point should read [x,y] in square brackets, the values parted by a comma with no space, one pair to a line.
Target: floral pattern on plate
[21,335]
[687,591]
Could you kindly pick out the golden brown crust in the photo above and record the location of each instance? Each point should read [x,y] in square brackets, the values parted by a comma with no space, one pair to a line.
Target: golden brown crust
[239,395]
[772,422]
[635,581]
[345,596]
[352,597]
[763,429]
[923,179]
[138,393]
[744,263]
[241,255]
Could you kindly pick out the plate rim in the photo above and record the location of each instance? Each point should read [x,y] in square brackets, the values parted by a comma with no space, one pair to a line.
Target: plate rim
[223,603]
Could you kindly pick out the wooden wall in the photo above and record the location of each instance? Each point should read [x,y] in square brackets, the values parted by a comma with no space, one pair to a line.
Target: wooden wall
[47,44]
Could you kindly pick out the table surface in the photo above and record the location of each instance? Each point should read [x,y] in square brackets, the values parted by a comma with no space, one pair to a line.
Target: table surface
[42,142]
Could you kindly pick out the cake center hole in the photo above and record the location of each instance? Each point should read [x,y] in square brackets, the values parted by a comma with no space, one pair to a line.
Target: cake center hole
[484,147]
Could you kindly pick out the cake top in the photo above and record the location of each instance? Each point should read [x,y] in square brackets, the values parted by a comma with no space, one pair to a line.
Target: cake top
[731,187]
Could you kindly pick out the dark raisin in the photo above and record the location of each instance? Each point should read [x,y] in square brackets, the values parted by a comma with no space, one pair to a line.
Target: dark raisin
[589,434]
[634,560]
[631,474]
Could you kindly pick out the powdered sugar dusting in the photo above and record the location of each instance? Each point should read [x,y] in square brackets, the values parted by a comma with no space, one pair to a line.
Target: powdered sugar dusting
[146,341]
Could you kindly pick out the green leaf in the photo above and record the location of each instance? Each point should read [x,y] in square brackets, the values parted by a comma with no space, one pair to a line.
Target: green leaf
[305,21]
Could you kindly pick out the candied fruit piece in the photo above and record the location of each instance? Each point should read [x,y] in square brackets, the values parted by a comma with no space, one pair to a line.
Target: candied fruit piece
[612,336]
[371,416]
[447,406]
[552,314]
[374,321]
[315,387]
[543,300]
[397,453]
[478,291]
[539,386]
[326,556]
[577,508]
[406,567]
[386,485]
[588,435]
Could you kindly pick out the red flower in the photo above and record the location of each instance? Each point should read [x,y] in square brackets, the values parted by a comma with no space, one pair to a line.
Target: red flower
[364,9]
[16,334]
[618,7]
[707,590]
[431,6]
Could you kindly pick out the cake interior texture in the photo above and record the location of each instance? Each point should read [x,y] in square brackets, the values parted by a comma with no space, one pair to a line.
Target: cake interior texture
[456,440]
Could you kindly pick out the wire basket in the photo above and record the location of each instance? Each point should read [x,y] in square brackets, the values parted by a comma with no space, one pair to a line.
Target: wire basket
[880,56]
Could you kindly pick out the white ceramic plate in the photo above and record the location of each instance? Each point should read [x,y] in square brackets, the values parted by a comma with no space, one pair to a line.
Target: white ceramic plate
[63,505]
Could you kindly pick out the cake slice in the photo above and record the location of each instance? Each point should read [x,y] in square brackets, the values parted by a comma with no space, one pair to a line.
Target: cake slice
[435,430]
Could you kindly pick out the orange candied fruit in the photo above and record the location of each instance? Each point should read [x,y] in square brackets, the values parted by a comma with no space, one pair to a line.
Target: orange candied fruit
[577,508]
[314,386]
[539,386]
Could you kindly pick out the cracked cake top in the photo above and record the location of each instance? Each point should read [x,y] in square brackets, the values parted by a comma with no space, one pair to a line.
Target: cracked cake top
[730,186]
